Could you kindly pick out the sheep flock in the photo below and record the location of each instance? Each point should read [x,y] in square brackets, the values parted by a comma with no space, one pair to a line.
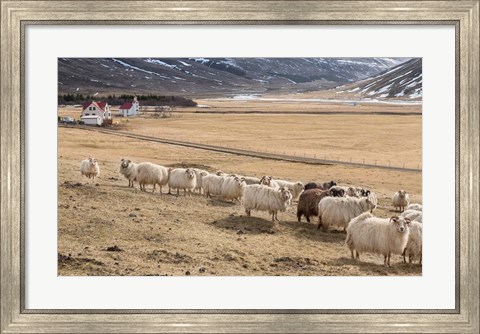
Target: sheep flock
[346,207]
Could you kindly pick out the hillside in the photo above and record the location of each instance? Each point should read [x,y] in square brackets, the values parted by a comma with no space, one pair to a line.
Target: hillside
[401,82]
[197,77]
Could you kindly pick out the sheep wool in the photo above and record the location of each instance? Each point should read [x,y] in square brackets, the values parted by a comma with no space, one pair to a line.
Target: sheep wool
[149,173]
[232,188]
[370,234]
[308,203]
[338,211]
[182,178]
[400,200]
[414,245]
[89,168]
[296,188]
[264,198]
[129,170]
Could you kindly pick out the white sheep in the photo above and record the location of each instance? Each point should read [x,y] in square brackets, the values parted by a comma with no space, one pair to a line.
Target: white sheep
[182,178]
[296,188]
[199,174]
[269,181]
[414,206]
[352,192]
[232,188]
[367,233]
[413,215]
[212,185]
[149,173]
[90,168]
[400,200]
[338,211]
[264,198]
[251,180]
[414,245]
[129,170]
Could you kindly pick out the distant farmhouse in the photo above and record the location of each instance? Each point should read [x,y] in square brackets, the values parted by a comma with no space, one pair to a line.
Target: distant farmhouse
[130,108]
[96,113]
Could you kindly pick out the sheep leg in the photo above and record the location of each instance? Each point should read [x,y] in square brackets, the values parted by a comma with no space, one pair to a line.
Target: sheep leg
[319,222]
[178,192]
[385,260]
[299,216]
[153,188]
[160,189]
[388,259]
[404,255]
[247,212]
[351,252]
[357,255]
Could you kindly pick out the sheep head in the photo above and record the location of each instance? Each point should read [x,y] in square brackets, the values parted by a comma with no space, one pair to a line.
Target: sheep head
[190,173]
[401,223]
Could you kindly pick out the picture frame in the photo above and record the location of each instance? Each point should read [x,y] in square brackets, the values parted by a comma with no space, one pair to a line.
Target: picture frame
[16,15]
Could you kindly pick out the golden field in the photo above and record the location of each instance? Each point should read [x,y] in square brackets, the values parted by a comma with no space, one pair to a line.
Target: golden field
[167,235]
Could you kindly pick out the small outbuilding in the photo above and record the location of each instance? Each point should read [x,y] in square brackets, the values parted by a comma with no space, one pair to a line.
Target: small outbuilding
[130,108]
[91,120]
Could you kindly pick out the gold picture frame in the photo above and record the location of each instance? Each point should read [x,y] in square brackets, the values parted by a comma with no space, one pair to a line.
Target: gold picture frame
[464,15]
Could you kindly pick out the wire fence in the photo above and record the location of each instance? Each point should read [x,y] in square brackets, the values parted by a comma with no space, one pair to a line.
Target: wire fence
[266,153]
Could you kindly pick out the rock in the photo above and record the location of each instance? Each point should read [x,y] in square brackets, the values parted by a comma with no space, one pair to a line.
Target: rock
[132,215]
[202,269]
[240,232]
[114,249]
[187,273]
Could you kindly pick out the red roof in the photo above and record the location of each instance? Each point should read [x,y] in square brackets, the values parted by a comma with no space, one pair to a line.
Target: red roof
[100,105]
[126,105]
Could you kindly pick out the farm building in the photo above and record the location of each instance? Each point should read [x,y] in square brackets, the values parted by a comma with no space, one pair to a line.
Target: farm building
[130,108]
[96,112]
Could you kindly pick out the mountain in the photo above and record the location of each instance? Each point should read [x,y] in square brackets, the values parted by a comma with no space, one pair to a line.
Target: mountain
[403,81]
[199,77]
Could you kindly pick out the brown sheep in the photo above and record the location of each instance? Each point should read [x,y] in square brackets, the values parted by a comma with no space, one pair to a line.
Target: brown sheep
[308,203]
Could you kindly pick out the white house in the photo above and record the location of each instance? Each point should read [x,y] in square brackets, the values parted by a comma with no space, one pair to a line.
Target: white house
[130,108]
[95,113]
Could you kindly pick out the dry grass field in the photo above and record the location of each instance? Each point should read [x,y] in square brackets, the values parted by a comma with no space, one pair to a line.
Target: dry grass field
[105,228]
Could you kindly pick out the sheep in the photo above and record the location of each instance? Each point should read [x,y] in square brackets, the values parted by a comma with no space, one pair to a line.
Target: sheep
[321,186]
[414,244]
[269,181]
[339,211]
[400,200]
[367,233]
[232,188]
[352,192]
[129,170]
[308,203]
[90,168]
[212,184]
[337,192]
[149,173]
[414,206]
[199,175]
[182,178]
[251,180]
[264,198]
[296,188]
[364,192]
[413,215]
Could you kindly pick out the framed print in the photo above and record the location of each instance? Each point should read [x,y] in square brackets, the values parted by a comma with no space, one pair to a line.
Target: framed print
[239,166]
